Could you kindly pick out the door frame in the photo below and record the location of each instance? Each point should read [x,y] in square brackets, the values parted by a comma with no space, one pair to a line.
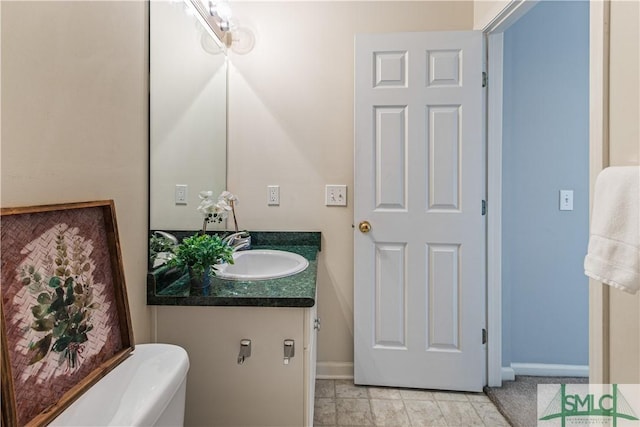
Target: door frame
[598,160]
[599,19]
[494,33]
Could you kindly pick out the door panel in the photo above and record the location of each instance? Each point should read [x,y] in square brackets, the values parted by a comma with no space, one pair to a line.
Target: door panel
[390,306]
[419,181]
[391,160]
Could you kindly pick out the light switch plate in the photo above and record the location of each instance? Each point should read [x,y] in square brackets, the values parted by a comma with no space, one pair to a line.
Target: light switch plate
[335,195]
[566,200]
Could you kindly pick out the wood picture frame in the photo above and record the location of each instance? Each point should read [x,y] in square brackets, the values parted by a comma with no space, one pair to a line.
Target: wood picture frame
[65,314]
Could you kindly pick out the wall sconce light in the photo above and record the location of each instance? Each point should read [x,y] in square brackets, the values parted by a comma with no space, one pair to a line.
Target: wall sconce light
[215,16]
[222,10]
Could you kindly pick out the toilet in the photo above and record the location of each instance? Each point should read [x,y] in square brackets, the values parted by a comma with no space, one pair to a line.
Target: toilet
[147,389]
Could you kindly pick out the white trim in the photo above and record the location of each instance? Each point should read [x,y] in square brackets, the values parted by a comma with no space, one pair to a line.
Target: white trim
[334,370]
[509,15]
[599,17]
[494,210]
[494,31]
[550,370]
[508,374]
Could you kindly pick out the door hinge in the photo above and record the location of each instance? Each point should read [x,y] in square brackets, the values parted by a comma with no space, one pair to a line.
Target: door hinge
[484,79]
[484,207]
[484,336]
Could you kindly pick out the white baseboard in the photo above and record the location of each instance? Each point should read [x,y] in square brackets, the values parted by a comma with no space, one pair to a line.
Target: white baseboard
[334,370]
[508,374]
[344,370]
[543,370]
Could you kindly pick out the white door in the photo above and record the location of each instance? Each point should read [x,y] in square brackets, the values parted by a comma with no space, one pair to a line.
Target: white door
[419,182]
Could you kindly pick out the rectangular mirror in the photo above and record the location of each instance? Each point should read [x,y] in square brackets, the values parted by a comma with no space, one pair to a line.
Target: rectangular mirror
[188,115]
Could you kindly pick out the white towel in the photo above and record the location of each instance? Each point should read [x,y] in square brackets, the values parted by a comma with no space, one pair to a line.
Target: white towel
[614,244]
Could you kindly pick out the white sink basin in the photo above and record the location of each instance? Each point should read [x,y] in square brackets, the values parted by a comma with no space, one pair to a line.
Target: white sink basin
[262,264]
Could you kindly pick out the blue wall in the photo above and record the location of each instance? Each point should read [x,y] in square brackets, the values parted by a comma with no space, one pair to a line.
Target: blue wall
[545,149]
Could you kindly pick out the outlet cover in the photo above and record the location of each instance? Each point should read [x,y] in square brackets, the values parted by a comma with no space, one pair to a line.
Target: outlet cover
[335,195]
[181,194]
[273,195]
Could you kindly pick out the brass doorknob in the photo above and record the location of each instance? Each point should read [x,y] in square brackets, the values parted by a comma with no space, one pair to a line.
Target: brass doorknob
[364,226]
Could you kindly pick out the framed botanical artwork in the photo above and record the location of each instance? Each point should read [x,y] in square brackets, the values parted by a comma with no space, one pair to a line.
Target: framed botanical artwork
[65,315]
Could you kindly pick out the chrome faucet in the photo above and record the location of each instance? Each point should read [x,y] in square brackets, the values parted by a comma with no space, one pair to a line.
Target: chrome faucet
[173,239]
[238,241]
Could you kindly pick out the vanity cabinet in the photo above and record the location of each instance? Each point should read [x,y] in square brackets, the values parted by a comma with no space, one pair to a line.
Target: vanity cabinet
[263,390]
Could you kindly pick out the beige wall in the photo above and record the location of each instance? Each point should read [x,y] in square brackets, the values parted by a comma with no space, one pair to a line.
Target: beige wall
[484,11]
[624,86]
[624,149]
[291,124]
[74,117]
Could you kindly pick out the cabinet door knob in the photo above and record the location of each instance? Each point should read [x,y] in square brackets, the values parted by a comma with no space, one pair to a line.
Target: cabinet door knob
[364,226]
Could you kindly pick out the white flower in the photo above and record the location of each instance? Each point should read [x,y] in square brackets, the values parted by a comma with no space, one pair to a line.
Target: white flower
[230,200]
[205,195]
[228,197]
[216,210]
[211,209]
[222,206]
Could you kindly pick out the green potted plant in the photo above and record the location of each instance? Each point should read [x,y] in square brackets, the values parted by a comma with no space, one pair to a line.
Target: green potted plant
[198,254]
[201,251]
[161,248]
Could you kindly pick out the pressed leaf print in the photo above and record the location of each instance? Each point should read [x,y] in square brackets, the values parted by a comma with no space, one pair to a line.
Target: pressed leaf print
[64,301]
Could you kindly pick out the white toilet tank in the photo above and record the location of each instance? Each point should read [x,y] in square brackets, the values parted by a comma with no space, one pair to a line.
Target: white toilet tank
[147,389]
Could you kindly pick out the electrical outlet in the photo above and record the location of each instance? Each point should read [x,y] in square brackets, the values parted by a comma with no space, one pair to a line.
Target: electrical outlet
[273,195]
[181,194]
[335,195]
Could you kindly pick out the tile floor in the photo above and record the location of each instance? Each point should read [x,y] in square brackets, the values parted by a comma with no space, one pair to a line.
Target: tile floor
[341,403]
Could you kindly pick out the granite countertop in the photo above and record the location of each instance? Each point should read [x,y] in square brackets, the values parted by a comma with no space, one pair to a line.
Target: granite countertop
[298,290]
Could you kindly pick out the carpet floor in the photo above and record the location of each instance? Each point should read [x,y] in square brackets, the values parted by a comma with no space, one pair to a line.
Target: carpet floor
[516,400]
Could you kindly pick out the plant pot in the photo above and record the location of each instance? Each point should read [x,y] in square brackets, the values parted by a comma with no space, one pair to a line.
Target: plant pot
[200,284]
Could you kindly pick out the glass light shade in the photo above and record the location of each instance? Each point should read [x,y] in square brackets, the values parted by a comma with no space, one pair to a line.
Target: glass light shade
[223,10]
